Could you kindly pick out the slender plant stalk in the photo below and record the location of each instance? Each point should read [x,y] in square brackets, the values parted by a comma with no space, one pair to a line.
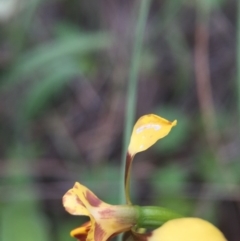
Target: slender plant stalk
[132,83]
[153,217]
[238,59]
[128,166]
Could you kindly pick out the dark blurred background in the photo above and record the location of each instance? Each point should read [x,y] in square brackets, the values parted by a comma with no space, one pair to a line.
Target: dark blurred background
[64,67]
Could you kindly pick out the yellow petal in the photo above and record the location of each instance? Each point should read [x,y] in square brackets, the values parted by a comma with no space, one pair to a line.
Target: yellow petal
[187,229]
[88,199]
[81,232]
[110,221]
[73,203]
[106,220]
[147,130]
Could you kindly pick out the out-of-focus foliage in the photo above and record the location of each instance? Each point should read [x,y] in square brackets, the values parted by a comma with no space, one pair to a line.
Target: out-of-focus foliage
[64,69]
[181,131]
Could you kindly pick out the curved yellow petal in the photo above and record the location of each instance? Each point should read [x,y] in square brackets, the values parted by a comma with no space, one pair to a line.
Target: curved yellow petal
[147,130]
[105,220]
[81,232]
[109,221]
[73,204]
[187,229]
[88,199]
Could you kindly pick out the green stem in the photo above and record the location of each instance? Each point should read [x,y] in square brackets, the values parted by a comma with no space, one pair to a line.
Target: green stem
[238,57]
[133,77]
[150,217]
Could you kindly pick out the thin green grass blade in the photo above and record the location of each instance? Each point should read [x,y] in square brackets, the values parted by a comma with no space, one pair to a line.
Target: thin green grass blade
[238,59]
[144,6]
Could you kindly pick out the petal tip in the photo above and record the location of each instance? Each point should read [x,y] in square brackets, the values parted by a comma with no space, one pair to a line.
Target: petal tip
[76,185]
[174,123]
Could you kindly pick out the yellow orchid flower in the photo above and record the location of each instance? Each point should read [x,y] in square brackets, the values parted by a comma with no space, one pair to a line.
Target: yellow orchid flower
[105,220]
[181,229]
[146,132]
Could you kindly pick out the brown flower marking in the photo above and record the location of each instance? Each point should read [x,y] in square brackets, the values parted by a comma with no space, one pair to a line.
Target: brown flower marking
[92,199]
[99,233]
[106,213]
[83,236]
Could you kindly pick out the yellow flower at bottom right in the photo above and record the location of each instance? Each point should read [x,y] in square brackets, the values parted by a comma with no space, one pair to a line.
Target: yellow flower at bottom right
[187,229]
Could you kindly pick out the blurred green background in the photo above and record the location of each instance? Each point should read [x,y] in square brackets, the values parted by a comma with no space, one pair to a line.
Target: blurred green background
[64,73]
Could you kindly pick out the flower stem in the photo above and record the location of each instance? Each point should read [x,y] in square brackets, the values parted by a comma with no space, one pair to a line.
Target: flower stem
[128,166]
[151,217]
